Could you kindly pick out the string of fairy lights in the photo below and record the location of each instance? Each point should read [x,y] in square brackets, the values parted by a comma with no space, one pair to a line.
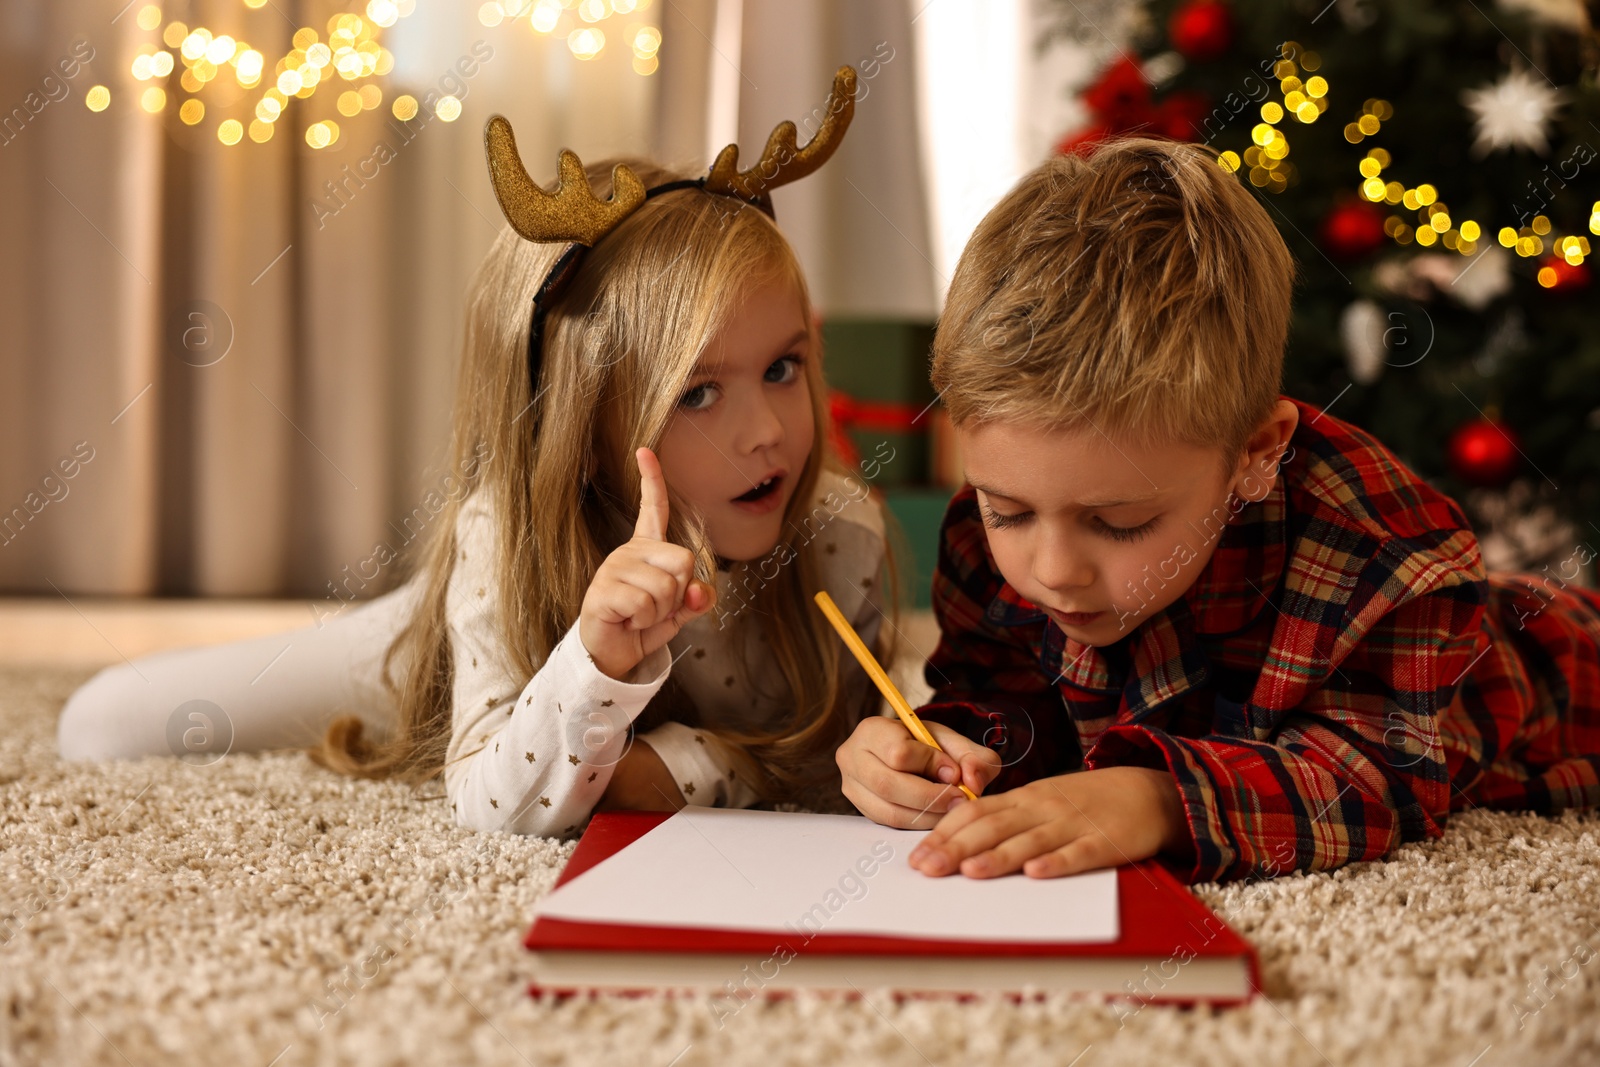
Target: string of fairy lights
[1304,100]
[1434,224]
[348,50]
[579,23]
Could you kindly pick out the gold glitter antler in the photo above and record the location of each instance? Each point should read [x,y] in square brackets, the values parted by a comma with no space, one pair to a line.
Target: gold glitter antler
[782,162]
[571,213]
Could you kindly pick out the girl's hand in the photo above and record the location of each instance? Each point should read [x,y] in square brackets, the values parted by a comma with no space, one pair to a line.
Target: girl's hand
[645,591]
[894,779]
[1063,825]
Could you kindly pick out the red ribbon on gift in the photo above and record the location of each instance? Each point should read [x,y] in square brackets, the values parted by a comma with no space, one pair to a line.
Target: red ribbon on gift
[848,413]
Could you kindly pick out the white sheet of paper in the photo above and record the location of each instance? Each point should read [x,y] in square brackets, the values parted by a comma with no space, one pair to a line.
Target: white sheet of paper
[736,869]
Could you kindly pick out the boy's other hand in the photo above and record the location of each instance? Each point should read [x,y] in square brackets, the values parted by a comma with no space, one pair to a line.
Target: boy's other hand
[1058,826]
[894,779]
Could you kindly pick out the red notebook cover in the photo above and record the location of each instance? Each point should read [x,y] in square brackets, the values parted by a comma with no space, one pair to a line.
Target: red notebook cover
[1160,919]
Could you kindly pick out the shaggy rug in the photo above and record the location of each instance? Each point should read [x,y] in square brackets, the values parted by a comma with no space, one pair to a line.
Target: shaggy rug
[259,911]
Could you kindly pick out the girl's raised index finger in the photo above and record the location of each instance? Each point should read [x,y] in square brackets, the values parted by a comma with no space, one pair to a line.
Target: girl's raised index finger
[653,507]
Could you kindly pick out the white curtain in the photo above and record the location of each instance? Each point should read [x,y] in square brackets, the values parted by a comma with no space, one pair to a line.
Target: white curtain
[860,224]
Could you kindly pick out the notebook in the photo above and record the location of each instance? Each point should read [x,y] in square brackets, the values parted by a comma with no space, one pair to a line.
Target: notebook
[761,903]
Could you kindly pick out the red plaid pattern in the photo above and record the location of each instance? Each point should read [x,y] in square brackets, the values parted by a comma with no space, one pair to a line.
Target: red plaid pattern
[1341,675]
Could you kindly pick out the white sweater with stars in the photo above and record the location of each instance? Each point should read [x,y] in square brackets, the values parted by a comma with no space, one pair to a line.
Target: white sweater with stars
[533,756]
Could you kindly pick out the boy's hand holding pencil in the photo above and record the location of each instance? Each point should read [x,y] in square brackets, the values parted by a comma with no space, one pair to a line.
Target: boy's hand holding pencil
[900,773]
[894,779]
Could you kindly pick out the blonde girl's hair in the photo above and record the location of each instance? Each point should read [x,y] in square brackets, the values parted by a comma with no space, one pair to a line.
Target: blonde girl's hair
[619,345]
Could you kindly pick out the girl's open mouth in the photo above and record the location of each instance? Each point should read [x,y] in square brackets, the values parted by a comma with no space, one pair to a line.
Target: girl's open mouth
[762,497]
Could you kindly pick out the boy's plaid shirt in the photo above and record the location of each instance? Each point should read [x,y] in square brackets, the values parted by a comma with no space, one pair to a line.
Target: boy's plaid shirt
[1341,675]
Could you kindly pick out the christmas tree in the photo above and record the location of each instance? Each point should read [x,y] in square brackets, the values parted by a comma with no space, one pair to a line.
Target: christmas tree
[1434,166]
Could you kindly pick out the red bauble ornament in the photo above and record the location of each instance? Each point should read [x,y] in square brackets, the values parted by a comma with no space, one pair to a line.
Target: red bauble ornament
[1568,276]
[1352,229]
[1484,452]
[1202,29]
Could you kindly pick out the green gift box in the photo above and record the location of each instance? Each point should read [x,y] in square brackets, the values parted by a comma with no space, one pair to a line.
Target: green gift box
[877,370]
[918,512]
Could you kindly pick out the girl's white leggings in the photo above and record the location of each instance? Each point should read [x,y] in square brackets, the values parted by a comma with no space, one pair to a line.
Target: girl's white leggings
[279,691]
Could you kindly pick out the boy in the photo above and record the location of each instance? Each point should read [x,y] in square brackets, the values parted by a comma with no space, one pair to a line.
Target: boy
[1182,615]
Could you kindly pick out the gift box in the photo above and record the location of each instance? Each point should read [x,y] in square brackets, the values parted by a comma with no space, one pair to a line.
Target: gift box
[877,371]
[946,467]
[918,511]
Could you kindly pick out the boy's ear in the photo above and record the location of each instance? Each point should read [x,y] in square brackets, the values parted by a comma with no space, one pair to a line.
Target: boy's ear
[1265,450]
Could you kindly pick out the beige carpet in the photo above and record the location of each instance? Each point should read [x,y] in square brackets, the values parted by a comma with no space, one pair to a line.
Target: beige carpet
[260,911]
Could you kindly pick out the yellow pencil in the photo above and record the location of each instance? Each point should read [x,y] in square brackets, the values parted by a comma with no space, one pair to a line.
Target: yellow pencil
[869,663]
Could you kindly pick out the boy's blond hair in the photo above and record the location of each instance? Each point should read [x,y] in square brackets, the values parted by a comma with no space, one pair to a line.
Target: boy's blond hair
[1140,291]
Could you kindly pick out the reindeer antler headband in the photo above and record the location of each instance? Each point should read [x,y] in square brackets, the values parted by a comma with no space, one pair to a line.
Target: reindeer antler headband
[572,213]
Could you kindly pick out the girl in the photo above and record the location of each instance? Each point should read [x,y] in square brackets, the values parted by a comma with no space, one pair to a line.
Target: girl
[616,611]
